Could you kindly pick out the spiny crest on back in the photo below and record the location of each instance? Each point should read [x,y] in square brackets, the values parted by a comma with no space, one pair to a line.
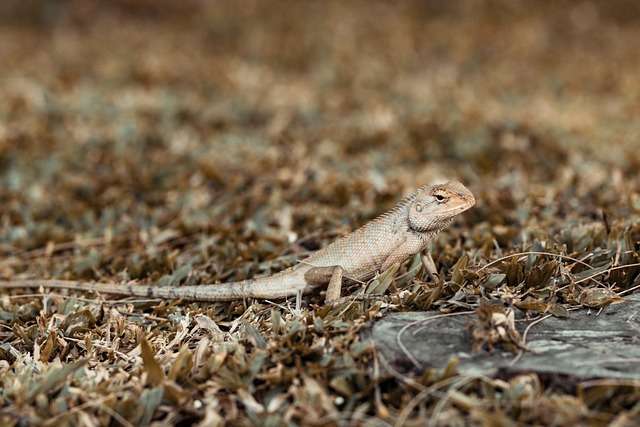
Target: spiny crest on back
[400,207]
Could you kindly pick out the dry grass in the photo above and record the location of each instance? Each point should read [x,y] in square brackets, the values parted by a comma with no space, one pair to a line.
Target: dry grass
[139,141]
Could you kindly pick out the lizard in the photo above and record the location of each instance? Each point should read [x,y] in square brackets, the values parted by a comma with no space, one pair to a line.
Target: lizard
[393,237]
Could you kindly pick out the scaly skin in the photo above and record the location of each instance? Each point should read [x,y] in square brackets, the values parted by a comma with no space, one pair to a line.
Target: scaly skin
[392,238]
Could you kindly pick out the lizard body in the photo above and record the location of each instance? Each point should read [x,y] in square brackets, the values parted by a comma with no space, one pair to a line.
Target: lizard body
[391,238]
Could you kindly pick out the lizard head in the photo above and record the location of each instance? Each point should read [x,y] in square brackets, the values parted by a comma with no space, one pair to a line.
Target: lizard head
[434,207]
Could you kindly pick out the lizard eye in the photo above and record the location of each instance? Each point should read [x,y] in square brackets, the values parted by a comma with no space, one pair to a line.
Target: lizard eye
[418,207]
[440,198]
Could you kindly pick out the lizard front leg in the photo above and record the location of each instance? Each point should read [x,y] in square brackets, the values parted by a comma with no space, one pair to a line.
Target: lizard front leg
[429,265]
[411,245]
[319,276]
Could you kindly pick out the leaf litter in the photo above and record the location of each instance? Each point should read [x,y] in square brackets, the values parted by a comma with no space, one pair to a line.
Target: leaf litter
[206,143]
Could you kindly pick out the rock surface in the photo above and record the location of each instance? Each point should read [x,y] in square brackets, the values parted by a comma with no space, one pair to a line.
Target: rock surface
[584,345]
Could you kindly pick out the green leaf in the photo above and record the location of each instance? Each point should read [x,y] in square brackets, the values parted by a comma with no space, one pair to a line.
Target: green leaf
[558,310]
[55,377]
[255,366]
[495,280]
[382,282]
[592,272]
[254,336]
[150,399]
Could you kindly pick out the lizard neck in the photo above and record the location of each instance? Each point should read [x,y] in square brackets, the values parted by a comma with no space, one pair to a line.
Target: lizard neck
[397,217]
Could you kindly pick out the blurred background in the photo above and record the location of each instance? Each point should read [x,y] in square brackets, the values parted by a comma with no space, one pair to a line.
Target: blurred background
[191,142]
[144,122]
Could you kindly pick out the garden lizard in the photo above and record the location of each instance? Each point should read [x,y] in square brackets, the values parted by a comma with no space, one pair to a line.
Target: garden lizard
[391,238]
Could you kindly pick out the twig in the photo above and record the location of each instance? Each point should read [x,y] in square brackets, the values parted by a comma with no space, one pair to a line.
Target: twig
[524,338]
[408,325]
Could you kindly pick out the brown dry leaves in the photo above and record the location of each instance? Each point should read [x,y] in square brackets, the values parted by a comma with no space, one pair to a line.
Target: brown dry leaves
[212,143]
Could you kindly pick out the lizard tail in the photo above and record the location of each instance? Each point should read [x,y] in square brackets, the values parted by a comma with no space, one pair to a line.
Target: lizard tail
[272,287]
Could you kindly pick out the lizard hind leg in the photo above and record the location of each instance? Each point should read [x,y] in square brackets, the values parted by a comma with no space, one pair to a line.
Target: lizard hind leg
[323,276]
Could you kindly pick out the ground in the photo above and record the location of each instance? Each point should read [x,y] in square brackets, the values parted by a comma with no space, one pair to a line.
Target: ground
[214,141]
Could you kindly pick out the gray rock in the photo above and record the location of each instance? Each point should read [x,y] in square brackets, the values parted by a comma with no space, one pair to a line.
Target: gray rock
[584,345]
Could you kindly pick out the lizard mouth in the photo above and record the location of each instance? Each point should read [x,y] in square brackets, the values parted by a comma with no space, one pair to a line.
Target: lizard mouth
[455,210]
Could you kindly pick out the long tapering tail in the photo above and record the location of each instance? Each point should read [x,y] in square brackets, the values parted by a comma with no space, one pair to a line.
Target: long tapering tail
[273,287]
